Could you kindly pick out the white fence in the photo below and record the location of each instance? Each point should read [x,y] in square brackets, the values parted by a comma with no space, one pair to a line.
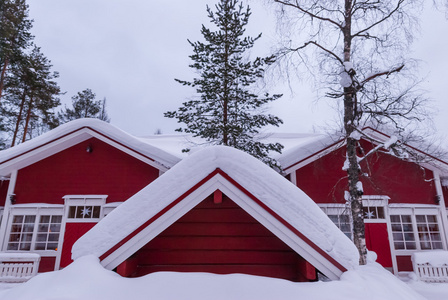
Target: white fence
[18,267]
[431,266]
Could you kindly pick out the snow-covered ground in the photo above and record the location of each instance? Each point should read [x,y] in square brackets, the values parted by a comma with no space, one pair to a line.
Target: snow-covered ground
[86,279]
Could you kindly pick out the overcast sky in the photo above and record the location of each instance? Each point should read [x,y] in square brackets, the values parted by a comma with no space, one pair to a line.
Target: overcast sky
[130,51]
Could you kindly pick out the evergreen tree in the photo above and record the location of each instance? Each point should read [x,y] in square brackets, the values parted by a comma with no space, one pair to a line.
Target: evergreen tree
[15,35]
[227,111]
[32,97]
[85,106]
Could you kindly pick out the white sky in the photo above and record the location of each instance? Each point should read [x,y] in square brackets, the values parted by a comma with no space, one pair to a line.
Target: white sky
[131,51]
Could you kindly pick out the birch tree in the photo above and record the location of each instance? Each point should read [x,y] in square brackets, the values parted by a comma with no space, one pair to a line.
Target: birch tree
[357,51]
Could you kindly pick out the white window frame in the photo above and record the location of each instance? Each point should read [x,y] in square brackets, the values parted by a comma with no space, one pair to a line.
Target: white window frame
[376,201]
[338,209]
[400,209]
[37,211]
[84,200]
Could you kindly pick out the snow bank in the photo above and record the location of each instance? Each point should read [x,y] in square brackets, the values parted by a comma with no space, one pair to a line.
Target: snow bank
[86,279]
[280,195]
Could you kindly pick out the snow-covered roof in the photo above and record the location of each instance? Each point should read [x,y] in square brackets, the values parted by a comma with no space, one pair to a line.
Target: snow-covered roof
[273,191]
[74,132]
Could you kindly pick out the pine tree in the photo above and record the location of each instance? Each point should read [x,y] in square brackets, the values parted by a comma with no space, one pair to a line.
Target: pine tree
[32,97]
[85,106]
[15,35]
[228,111]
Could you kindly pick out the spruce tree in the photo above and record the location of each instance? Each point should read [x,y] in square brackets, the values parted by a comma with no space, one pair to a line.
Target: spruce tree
[85,106]
[227,110]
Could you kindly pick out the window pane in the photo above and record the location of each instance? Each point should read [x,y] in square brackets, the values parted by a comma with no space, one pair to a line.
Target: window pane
[30,219]
[406,219]
[42,228]
[398,236]
[52,246]
[399,245]
[55,227]
[435,237]
[14,237]
[433,227]
[72,212]
[53,237]
[397,227]
[17,219]
[431,218]
[44,219]
[13,246]
[56,219]
[40,246]
[41,237]
[407,228]
[437,245]
[16,228]
[79,210]
[395,219]
[409,237]
[96,211]
[420,219]
[25,246]
[410,246]
[380,211]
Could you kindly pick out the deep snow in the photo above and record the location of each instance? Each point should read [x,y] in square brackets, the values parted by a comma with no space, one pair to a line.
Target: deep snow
[86,279]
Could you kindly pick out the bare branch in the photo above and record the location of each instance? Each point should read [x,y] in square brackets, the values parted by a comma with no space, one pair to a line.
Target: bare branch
[307,12]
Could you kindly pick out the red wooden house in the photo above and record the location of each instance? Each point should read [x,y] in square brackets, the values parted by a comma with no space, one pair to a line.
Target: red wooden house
[404,200]
[56,187]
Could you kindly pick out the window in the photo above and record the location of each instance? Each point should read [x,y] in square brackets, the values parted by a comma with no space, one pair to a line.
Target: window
[340,215]
[373,212]
[428,232]
[402,232]
[374,208]
[48,232]
[84,208]
[84,211]
[34,230]
[416,232]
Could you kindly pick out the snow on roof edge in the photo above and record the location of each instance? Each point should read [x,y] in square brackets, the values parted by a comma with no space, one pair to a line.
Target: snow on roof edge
[109,130]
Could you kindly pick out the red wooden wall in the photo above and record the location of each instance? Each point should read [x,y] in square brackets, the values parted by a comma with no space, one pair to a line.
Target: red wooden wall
[74,171]
[3,191]
[219,238]
[403,182]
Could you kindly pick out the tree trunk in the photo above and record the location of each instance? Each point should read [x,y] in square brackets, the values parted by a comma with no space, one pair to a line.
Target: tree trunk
[353,171]
[28,116]
[2,76]
[19,118]
[225,136]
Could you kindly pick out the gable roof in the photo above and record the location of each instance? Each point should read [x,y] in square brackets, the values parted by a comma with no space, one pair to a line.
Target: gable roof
[303,154]
[74,132]
[263,193]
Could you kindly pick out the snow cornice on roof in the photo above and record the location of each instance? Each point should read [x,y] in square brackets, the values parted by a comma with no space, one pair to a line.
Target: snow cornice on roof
[76,131]
[197,176]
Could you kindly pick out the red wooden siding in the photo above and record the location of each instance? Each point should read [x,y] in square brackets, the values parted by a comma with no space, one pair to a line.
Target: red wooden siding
[403,182]
[73,231]
[377,240]
[46,264]
[106,170]
[219,238]
[3,191]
